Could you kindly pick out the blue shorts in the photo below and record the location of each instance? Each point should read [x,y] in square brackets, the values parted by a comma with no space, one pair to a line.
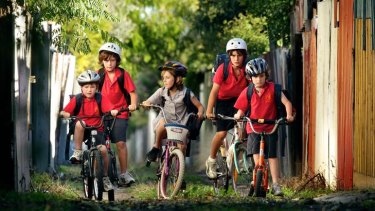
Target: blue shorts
[270,149]
[118,132]
[225,107]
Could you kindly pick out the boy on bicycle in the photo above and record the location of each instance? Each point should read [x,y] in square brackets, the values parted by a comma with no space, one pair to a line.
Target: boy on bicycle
[170,97]
[90,114]
[262,106]
[223,95]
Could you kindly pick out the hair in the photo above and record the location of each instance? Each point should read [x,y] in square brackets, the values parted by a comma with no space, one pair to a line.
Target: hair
[104,55]
[83,84]
[267,74]
[179,84]
[240,51]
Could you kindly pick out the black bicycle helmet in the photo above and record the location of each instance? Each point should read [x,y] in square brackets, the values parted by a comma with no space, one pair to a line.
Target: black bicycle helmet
[256,66]
[180,69]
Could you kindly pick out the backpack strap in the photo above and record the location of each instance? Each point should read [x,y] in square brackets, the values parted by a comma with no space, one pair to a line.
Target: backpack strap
[249,96]
[98,98]
[79,100]
[225,70]
[187,100]
[120,81]
[279,105]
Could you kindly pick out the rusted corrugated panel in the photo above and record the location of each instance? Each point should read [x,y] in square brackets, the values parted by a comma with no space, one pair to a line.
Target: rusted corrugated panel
[309,98]
[364,114]
[345,96]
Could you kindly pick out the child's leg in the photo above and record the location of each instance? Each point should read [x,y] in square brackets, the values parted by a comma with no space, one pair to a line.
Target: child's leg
[79,132]
[160,133]
[217,141]
[274,168]
[103,151]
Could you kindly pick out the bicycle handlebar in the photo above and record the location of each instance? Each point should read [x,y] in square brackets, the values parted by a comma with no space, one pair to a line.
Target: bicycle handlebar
[162,110]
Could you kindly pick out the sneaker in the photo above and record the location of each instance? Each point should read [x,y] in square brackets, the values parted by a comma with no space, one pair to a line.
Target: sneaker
[211,168]
[76,157]
[276,190]
[126,179]
[153,154]
[107,184]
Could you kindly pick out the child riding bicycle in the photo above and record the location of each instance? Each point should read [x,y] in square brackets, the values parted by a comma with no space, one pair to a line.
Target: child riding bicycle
[90,112]
[262,106]
[170,97]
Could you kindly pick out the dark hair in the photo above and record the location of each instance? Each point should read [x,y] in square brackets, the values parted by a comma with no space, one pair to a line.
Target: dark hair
[180,85]
[240,51]
[104,55]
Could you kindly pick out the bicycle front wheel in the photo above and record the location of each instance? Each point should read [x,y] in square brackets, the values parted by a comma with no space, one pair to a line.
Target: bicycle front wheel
[221,183]
[97,169]
[86,176]
[241,173]
[172,174]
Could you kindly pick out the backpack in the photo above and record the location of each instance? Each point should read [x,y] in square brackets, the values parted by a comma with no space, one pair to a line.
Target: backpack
[77,108]
[193,123]
[280,108]
[120,81]
[224,58]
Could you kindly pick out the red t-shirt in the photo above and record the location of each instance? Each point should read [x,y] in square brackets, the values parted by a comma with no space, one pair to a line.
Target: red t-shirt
[113,92]
[89,108]
[231,87]
[262,106]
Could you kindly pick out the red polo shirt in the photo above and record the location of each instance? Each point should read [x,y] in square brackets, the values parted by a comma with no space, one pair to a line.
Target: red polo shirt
[113,92]
[262,106]
[231,87]
[89,108]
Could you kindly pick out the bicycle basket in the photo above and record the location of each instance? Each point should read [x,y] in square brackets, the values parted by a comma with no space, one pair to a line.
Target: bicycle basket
[176,131]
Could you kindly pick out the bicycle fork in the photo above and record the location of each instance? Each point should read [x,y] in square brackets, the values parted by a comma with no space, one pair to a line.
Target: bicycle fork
[261,166]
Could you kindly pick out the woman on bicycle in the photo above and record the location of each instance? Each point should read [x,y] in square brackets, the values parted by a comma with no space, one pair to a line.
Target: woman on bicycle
[90,112]
[170,97]
[262,106]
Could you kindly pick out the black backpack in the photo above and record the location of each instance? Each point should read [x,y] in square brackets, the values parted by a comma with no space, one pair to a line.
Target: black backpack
[223,58]
[280,108]
[120,81]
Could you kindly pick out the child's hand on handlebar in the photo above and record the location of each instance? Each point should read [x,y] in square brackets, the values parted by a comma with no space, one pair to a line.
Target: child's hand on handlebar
[290,118]
[237,116]
[145,104]
[114,112]
[210,115]
[132,107]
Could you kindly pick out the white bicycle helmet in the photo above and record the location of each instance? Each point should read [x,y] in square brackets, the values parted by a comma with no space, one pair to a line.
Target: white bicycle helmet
[88,76]
[256,66]
[111,47]
[236,44]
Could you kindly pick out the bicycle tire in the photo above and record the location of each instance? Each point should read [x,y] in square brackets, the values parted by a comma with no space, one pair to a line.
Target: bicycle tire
[87,179]
[221,183]
[258,189]
[241,174]
[172,174]
[112,168]
[97,169]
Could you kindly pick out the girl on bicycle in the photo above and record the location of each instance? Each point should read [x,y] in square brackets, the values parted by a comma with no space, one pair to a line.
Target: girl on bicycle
[223,95]
[90,113]
[262,106]
[170,97]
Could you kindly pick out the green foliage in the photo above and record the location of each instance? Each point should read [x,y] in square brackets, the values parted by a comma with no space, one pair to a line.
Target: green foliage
[83,16]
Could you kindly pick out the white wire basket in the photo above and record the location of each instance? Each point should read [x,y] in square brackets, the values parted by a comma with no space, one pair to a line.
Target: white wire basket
[176,131]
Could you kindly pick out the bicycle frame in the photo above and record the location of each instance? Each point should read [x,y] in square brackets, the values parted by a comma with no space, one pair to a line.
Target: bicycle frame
[261,168]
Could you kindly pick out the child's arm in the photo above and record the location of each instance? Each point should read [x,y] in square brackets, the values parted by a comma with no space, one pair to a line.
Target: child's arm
[288,108]
[134,100]
[239,114]
[64,114]
[211,100]
[199,106]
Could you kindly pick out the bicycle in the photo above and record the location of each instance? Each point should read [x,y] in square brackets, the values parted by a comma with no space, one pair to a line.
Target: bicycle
[260,171]
[233,162]
[92,165]
[171,164]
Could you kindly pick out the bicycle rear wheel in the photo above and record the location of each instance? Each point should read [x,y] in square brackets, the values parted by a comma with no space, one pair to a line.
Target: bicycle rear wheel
[87,179]
[97,169]
[172,174]
[221,183]
[241,173]
[112,174]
